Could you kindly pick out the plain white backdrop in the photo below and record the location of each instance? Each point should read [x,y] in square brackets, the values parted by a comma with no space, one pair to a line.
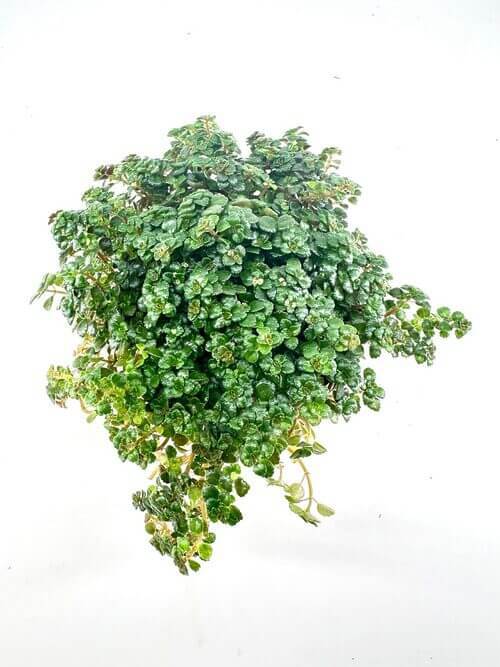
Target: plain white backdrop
[407,573]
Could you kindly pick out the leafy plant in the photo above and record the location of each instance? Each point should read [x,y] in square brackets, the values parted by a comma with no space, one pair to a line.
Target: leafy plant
[225,308]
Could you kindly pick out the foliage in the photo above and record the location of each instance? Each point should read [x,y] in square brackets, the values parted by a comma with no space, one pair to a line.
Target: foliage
[225,308]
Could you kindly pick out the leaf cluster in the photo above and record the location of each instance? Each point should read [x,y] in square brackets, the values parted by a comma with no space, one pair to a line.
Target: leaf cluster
[225,308]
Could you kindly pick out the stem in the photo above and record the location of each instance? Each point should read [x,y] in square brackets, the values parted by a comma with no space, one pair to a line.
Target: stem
[189,462]
[84,407]
[163,445]
[307,475]
[154,473]
[203,510]
[103,258]
[162,525]
[391,311]
[143,437]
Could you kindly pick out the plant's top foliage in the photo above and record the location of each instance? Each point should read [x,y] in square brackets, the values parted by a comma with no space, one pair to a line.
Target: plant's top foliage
[225,308]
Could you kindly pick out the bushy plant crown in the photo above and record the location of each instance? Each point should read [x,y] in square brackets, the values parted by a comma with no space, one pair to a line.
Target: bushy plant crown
[225,308]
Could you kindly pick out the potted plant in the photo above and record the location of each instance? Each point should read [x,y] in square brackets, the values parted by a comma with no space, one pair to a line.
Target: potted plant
[225,309]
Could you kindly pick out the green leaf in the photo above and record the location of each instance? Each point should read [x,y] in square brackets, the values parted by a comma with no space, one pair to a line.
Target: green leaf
[295,491]
[257,305]
[195,525]
[274,482]
[264,390]
[296,509]
[182,544]
[444,312]
[304,514]
[194,565]
[249,321]
[47,304]
[234,515]
[301,452]
[241,486]
[267,224]
[324,510]
[309,350]
[205,551]
[194,494]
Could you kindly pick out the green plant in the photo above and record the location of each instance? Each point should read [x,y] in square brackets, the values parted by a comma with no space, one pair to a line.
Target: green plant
[225,308]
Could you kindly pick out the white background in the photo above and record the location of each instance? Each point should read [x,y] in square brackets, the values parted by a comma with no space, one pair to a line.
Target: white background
[407,572]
